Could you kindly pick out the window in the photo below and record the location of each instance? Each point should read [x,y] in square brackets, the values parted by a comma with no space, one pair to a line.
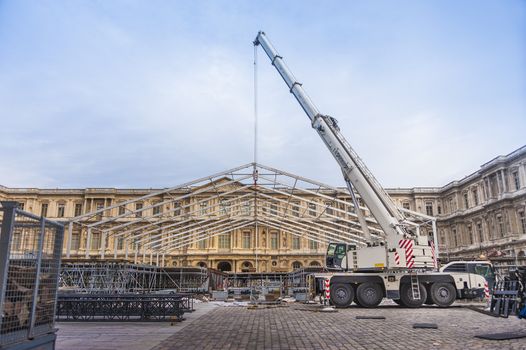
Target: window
[177,208]
[225,206]
[500,225]
[522,221]
[516,180]
[78,209]
[429,208]
[328,208]
[405,205]
[296,243]
[296,265]
[470,234]
[157,209]
[138,206]
[466,202]
[224,241]
[99,206]
[274,208]
[21,206]
[480,232]
[204,208]
[313,245]
[439,209]
[457,267]
[475,196]
[296,209]
[122,209]
[202,243]
[43,209]
[274,240]
[120,243]
[15,245]
[61,208]
[455,238]
[312,209]
[247,240]
[95,240]
[75,241]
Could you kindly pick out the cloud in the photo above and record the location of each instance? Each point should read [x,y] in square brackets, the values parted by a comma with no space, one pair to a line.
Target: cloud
[104,94]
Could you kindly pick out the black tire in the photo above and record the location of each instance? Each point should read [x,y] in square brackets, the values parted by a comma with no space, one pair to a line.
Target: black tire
[369,294]
[406,296]
[342,294]
[443,294]
[356,301]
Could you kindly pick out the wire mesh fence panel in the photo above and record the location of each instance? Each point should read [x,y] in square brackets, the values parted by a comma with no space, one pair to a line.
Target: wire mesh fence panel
[29,266]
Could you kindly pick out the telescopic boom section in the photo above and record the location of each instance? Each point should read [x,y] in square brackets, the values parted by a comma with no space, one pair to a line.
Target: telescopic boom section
[355,172]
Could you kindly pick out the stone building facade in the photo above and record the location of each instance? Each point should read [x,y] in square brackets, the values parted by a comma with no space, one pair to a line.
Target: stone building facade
[480,216]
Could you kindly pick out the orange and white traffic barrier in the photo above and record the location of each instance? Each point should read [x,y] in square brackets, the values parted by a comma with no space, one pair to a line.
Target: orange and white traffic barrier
[486,290]
[433,255]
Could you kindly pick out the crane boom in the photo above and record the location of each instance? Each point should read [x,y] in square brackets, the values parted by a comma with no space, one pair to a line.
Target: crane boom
[353,168]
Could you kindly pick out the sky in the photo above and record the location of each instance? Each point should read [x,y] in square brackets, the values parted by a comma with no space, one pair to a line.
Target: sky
[152,94]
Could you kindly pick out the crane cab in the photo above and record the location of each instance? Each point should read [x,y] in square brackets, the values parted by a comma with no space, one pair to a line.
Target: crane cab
[347,257]
[336,257]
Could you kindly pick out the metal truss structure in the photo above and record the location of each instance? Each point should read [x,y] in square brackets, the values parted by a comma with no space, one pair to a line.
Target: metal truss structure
[118,276]
[123,307]
[251,195]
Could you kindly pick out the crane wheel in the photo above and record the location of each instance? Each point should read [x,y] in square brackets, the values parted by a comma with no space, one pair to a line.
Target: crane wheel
[342,294]
[406,296]
[369,294]
[443,294]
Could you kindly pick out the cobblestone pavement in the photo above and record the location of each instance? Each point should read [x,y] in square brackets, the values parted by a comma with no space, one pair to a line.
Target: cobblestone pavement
[304,327]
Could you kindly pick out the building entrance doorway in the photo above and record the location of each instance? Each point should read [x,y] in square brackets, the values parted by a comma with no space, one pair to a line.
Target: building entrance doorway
[224,266]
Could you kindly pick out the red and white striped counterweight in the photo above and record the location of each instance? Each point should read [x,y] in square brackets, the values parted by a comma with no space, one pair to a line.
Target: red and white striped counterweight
[407,245]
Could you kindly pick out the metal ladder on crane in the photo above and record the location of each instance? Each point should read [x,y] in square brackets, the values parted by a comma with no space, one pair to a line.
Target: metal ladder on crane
[415,286]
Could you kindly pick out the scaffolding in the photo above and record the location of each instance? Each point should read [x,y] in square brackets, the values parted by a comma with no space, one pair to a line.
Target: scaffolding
[120,276]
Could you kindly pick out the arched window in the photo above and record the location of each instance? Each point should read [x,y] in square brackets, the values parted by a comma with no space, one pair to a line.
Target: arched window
[314,263]
[296,265]
[201,264]
[224,266]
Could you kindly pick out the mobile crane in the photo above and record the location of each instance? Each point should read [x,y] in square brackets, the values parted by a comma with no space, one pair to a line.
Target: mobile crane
[398,265]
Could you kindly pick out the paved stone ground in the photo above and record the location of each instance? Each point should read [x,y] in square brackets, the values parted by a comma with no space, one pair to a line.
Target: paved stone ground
[121,335]
[304,327]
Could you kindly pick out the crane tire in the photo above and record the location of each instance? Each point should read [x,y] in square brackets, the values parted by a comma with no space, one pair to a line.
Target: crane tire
[443,294]
[369,294]
[342,294]
[406,296]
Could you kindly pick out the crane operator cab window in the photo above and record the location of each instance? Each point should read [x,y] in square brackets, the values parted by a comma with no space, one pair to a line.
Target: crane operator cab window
[484,269]
[335,254]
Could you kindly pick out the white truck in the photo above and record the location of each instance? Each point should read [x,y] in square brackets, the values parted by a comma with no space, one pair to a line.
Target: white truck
[398,262]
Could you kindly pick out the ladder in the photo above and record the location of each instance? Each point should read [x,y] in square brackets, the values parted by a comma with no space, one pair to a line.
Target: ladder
[415,286]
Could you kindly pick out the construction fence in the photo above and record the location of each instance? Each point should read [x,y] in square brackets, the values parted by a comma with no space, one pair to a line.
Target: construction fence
[30,251]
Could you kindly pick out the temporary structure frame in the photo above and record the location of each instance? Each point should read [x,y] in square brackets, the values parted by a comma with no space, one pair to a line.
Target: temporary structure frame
[168,220]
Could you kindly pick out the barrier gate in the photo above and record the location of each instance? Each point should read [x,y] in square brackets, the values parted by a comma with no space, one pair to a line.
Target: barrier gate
[30,251]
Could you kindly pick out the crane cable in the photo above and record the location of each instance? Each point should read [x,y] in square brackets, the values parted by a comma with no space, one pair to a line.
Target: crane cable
[255,104]
[255,170]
